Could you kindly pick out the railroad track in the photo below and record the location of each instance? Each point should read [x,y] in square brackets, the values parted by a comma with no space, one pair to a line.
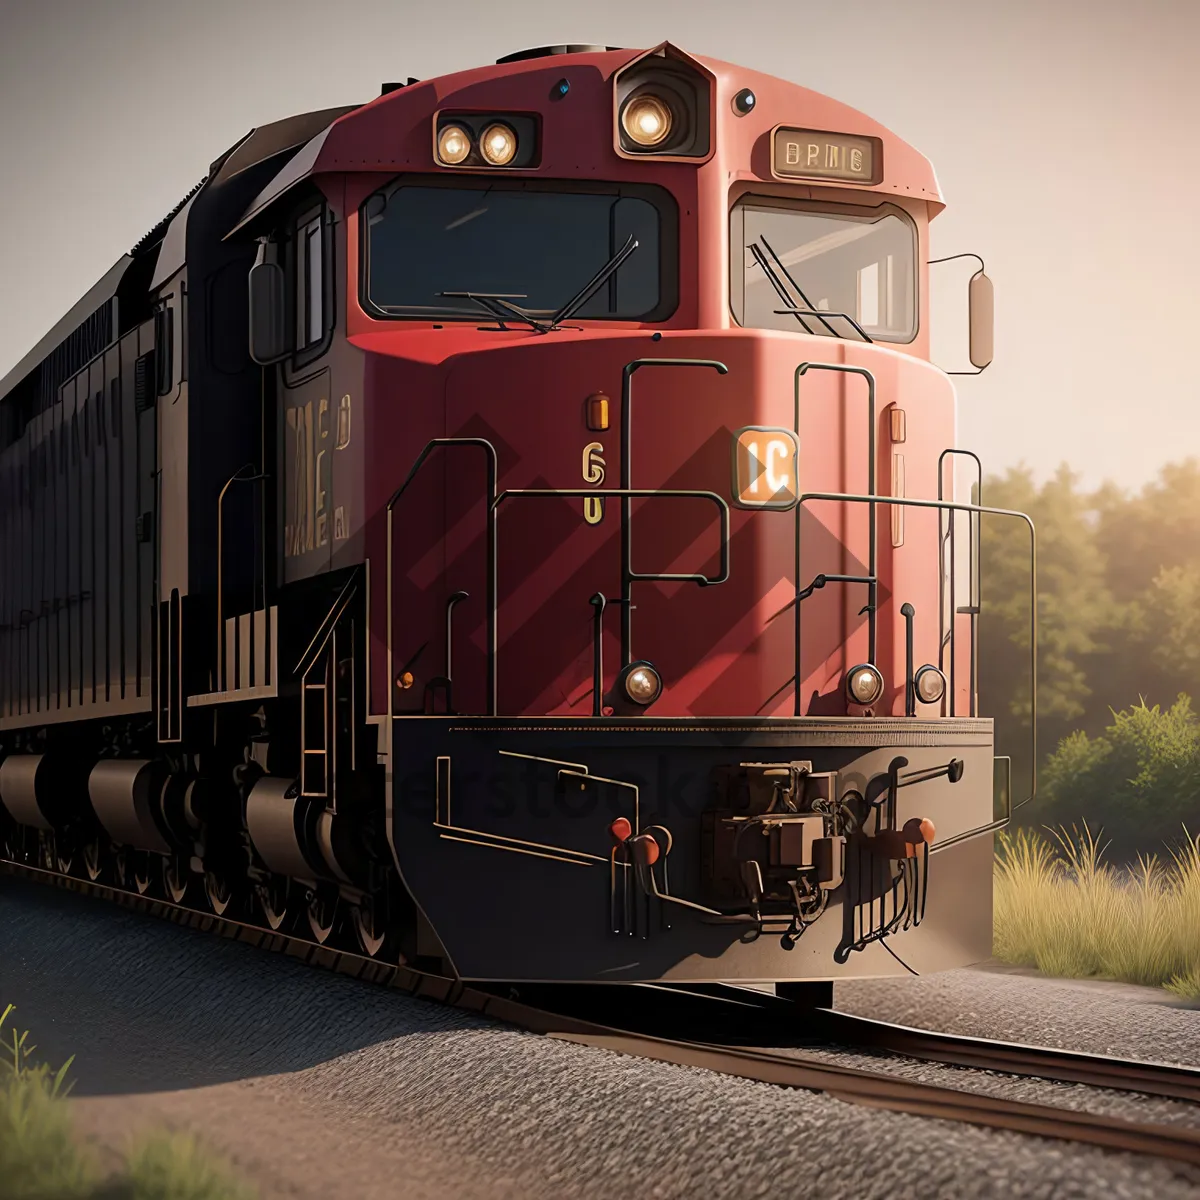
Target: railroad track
[742,1012]
[742,1016]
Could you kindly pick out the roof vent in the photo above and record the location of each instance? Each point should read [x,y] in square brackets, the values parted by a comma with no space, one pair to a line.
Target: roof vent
[388,88]
[551,51]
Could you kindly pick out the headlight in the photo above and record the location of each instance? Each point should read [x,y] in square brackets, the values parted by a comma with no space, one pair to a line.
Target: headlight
[642,683]
[647,120]
[864,684]
[454,144]
[930,684]
[498,145]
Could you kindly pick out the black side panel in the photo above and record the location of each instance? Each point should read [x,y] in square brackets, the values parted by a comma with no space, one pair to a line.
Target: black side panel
[228,412]
[75,592]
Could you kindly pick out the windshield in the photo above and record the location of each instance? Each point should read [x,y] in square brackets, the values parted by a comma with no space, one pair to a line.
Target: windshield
[534,244]
[860,266]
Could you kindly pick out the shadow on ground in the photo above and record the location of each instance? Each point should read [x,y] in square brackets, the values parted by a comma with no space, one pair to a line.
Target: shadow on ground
[147,1006]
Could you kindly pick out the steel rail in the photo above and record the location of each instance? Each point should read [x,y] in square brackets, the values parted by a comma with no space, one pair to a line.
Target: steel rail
[1015,1058]
[747,1017]
[874,1089]
[880,1090]
[748,1007]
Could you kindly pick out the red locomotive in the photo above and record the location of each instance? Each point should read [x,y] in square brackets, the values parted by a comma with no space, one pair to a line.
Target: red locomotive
[496,525]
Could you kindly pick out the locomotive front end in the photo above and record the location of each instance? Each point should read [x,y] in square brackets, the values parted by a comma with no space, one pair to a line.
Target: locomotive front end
[612,773]
[677,666]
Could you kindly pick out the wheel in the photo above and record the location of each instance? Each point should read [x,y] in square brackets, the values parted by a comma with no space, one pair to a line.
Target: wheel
[322,915]
[142,871]
[121,866]
[273,897]
[11,844]
[175,878]
[64,857]
[218,893]
[369,921]
[93,859]
[54,853]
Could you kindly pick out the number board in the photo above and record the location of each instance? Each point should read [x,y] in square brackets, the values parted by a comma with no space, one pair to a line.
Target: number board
[811,154]
[765,467]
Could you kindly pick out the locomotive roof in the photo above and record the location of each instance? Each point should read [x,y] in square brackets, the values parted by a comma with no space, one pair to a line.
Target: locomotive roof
[261,143]
[97,295]
[390,134]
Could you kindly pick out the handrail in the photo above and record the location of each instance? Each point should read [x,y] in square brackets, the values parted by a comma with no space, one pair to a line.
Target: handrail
[598,603]
[981,510]
[490,452]
[627,580]
[628,494]
[629,576]
[872,561]
[222,665]
[446,681]
[325,629]
[975,593]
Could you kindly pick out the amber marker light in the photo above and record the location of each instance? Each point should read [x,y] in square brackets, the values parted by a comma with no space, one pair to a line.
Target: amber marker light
[647,120]
[498,145]
[454,144]
[597,412]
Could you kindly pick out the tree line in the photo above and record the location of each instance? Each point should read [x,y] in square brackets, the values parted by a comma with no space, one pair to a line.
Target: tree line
[1118,611]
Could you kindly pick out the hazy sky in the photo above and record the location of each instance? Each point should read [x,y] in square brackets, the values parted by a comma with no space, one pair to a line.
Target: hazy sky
[1063,133]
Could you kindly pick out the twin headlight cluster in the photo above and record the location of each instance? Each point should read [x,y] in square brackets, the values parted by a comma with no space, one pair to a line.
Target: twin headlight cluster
[481,140]
[663,109]
[497,146]
[864,684]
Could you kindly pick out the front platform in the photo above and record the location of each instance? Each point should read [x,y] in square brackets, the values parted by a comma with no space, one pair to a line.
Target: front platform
[502,830]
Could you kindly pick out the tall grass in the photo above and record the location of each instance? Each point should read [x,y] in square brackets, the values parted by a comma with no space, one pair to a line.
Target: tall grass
[1061,908]
[37,1151]
[40,1158]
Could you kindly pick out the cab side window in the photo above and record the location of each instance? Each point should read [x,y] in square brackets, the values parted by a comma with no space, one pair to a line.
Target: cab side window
[312,276]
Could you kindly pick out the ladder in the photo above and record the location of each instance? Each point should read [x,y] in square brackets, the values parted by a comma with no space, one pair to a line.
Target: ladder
[326,741]
[318,739]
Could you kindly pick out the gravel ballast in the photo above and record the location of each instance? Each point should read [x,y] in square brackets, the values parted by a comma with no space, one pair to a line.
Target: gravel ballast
[315,1085]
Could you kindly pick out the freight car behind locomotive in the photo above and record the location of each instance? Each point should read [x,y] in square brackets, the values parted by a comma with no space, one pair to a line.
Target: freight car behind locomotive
[511,526]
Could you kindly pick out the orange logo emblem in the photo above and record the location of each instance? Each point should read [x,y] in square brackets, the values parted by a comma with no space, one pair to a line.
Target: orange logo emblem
[765,468]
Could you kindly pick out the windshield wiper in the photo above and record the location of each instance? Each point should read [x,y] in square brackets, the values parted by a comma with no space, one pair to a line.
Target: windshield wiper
[776,283]
[499,306]
[795,286]
[594,284]
[811,308]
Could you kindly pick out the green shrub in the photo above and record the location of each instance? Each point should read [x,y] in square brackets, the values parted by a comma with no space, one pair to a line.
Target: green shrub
[1140,780]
